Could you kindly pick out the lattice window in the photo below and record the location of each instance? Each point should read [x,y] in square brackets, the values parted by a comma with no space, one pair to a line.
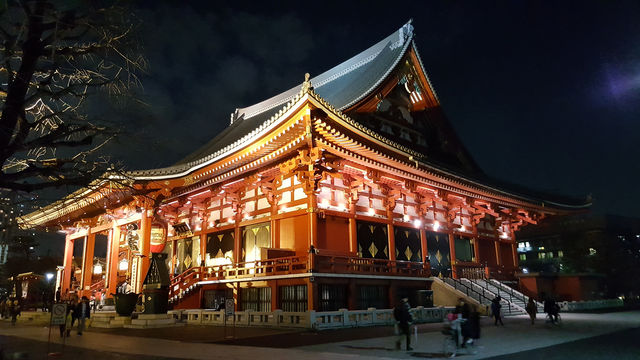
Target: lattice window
[256,299]
[373,296]
[332,297]
[293,298]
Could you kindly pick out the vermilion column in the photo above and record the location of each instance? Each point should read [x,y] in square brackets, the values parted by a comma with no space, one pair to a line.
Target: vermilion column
[203,249]
[68,258]
[423,244]
[353,236]
[113,265]
[392,242]
[452,255]
[87,267]
[496,245]
[237,241]
[145,248]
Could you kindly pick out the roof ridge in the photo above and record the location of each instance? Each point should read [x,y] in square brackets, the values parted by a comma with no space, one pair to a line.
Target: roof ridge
[404,36]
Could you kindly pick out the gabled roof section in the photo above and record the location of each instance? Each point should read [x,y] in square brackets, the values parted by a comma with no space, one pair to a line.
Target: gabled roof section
[342,86]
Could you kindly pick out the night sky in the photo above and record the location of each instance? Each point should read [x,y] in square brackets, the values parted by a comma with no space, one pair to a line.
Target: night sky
[543,94]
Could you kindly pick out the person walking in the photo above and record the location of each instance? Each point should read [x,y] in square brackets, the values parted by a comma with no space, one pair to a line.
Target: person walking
[83,312]
[58,294]
[15,311]
[532,310]
[403,319]
[66,327]
[495,310]
[552,309]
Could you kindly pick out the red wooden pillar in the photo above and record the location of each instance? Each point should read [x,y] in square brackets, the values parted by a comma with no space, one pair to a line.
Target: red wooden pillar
[392,242]
[353,236]
[496,245]
[68,259]
[476,244]
[237,241]
[203,249]
[113,264]
[87,266]
[423,244]
[145,249]
[452,254]
[174,256]
[313,293]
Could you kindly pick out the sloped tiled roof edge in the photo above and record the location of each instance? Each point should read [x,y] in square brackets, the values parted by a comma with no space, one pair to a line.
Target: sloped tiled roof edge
[404,34]
[445,172]
[184,169]
[402,38]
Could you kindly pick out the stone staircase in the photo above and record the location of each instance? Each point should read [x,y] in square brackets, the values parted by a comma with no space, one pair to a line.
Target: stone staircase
[484,291]
[506,292]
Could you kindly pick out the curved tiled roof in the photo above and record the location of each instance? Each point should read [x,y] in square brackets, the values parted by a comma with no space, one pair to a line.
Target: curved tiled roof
[342,86]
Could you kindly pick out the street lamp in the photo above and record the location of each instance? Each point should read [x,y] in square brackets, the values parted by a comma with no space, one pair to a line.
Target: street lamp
[49,276]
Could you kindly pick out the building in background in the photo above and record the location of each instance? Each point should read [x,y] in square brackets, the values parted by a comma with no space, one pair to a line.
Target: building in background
[347,191]
[581,257]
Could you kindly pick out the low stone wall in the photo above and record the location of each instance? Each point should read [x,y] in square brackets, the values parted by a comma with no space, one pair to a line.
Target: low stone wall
[590,305]
[310,319]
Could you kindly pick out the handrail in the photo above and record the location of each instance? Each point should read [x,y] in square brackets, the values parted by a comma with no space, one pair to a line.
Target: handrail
[298,264]
[467,289]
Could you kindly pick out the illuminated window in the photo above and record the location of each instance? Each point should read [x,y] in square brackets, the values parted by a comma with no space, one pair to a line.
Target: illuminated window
[550,254]
[523,257]
[560,254]
[541,255]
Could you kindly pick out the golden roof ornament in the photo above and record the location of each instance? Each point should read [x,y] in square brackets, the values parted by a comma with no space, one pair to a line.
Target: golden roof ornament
[306,85]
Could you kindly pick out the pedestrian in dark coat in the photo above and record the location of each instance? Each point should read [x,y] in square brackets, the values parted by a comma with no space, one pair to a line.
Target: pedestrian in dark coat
[532,310]
[83,312]
[552,309]
[403,318]
[495,310]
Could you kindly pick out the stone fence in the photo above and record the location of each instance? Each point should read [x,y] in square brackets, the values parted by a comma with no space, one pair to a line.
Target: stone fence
[590,305]
[342,318]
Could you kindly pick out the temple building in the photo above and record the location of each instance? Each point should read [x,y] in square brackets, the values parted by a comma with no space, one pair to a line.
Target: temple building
[346,191]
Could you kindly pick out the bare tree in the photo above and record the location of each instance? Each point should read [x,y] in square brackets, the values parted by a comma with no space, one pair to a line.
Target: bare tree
[55,57]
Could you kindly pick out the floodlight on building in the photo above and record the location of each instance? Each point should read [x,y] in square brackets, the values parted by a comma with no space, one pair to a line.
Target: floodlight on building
[417,223]
[436,226]
[97,269]
[372,211]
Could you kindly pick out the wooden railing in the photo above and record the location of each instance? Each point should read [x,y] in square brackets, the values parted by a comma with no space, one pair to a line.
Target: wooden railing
[357,265]
[278,266]
[97,285]
[471,271]
[295,265]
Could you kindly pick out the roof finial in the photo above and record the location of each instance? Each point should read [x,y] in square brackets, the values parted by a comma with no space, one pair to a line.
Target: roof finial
[306,85]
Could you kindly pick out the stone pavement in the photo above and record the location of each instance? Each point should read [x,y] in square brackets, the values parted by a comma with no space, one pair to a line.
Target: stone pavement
[516,337]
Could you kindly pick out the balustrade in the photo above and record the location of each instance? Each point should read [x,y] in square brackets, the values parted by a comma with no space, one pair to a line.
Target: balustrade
[296,265]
